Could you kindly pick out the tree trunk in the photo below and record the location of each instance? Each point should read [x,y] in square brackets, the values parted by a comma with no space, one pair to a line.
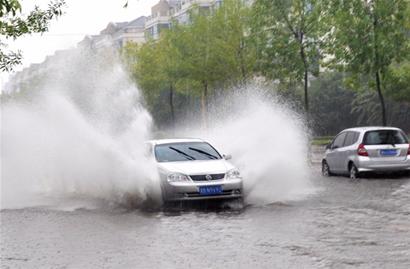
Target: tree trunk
[381,98]
[306,71]
[204,105]
[377,63]
[171,105]
[306,91]
[242,62]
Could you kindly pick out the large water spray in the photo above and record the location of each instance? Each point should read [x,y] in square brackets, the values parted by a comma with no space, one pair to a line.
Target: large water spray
[76,139]
[268,142]
[77,136]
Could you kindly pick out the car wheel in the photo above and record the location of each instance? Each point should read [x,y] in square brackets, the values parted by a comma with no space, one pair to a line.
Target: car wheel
[325,169]
[353,172]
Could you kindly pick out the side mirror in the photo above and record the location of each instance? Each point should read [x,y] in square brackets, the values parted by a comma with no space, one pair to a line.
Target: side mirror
[328,146]
[227,156]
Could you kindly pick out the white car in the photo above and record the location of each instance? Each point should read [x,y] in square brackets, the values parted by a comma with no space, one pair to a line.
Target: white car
[192,169]
[367,149]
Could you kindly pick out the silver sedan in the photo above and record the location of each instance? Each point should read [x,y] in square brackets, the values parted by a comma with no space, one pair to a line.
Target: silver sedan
[192,169]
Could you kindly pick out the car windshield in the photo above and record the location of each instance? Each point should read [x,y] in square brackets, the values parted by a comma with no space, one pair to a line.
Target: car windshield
[384,137]
[188,151]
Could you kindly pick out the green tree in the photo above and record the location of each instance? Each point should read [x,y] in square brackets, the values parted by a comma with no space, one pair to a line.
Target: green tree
[200,57]
[14,25]
[169,64]
[210,52]
[398,82]
[367,36]
[327,93]
[287,35]
[155,68]
[143,63]
[230,24]
[213,49]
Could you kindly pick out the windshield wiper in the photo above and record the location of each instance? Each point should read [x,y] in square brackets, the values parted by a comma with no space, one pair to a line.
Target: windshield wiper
[189,157]
[204,152]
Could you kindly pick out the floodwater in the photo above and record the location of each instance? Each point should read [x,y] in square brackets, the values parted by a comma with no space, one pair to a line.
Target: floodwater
[81,132]
[346,224]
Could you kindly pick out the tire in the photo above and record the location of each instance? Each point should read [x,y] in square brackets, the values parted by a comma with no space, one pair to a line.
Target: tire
[325,169]
[353,172]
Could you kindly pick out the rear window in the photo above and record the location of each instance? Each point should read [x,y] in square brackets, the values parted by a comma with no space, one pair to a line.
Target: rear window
[382,137]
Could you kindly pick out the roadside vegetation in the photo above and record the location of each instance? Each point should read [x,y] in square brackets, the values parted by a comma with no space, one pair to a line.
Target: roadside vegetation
[338,63]
[341,63]
[14,24]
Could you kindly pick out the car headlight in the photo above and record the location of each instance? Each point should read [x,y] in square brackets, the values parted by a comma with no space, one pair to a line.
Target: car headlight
[177,177]
[233,174]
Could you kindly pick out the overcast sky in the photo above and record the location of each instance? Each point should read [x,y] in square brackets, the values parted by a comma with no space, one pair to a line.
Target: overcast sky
[80,18]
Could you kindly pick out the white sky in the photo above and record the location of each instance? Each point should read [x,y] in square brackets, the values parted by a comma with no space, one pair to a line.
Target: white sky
[80,18]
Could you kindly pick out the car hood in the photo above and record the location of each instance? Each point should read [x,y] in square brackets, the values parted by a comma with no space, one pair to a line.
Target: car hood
[196,167]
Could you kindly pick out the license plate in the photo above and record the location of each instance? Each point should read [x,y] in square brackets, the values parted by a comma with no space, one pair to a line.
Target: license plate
[210,190]
[388,152]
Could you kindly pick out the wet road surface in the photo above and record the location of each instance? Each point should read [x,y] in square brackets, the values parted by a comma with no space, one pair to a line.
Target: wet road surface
[361,224]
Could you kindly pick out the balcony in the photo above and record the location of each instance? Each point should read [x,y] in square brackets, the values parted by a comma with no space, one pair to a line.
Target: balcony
[157,20]
[187,5]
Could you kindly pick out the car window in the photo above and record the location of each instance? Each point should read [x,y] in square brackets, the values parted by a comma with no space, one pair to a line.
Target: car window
[348,139]
[384,137]
[339,141]
[351,138]
[356,136]
[189,151]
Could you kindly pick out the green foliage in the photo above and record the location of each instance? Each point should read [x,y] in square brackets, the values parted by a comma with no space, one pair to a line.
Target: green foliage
[9,59]
[195,59]
[398,82]
[366,106]
[366,38]
[144,65]
[327,93]
[214,48]
[287,35]
[13,25]
[367,35]
[322,140]
[354,108]
[231,27]
[9,7]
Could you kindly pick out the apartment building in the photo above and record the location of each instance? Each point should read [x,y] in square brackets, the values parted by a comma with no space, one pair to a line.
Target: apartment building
[117,34]
[159,19]
[165,11]
[181,12]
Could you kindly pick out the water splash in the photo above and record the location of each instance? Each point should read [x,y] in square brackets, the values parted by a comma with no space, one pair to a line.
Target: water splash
[268,142]
[79,135]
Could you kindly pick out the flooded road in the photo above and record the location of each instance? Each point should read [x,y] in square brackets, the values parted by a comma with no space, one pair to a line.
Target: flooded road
[363,224]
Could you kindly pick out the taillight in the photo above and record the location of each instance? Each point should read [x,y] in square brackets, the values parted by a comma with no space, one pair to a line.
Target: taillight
[408,151]
[362,151]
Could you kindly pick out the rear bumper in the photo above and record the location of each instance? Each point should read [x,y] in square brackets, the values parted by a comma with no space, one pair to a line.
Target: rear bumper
[364,164]
[185,191]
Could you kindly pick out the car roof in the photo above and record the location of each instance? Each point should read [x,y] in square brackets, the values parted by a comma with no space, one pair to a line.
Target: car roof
[174,140]
[371,128]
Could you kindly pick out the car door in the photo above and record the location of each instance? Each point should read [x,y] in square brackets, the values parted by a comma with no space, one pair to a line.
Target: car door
[334,154]
[347,150]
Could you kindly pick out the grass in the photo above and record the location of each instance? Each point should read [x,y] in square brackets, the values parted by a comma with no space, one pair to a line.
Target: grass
[322,140]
